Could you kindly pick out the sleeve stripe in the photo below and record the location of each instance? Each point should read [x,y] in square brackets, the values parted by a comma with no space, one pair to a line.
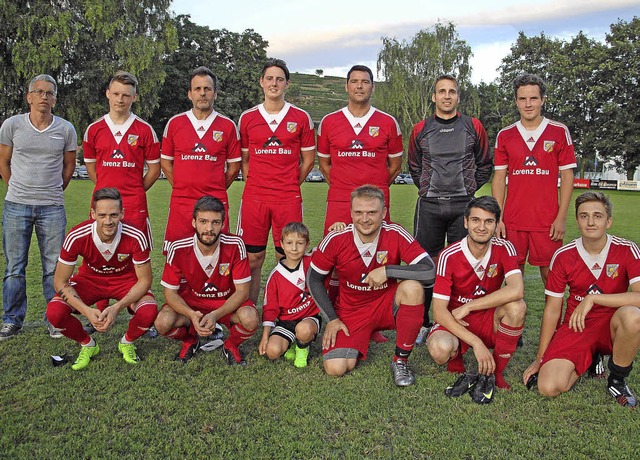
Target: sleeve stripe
[557,295]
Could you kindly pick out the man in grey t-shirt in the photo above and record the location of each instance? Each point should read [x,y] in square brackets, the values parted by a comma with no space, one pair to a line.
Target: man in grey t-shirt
[37,159]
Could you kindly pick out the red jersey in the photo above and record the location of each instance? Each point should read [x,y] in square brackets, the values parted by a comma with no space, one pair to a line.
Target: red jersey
[120,152]
[275,143]
[286,296]
[533,160]
[206,281]
[116,259]
[359,149]
[353,259]
[610,272]
[461,278]
[200,151]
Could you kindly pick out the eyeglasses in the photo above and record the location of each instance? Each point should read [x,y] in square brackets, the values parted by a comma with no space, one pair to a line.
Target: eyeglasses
[41,92]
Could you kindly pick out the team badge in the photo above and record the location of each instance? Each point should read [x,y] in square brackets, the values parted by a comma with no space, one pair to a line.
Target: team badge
[374,131]
[548,146]
[292,127]
[122,257]
[612,270]
[493,270]
[132,140]
[224,269]
[217,136]
[381,257]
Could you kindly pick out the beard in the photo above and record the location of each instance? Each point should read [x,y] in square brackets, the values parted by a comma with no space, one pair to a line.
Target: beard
[200,237]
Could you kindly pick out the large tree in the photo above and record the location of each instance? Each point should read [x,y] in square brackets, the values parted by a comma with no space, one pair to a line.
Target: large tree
[409,69]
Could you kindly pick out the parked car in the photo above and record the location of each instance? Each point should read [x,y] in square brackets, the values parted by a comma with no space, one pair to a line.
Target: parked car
[315,176]
[81,172]
[403,178]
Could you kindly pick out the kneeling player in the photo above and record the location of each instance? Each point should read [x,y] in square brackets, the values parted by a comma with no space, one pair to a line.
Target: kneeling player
[288,301]
[115,265]
[601,316]
[206,281]
[472,308]
[372,294]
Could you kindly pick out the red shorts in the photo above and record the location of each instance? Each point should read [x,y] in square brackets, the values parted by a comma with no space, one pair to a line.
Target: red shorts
[92,289]
[480,324]
[539,247]
[226,319]
[255,218]
[378,316]
[180,222]
[340,211]
[579,347]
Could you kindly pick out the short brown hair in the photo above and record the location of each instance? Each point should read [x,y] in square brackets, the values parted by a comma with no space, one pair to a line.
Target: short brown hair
[295,227]
[368,192]
[599,197]
[126,79]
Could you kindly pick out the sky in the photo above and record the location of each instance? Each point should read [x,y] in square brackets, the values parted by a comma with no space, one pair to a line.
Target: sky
[333,35]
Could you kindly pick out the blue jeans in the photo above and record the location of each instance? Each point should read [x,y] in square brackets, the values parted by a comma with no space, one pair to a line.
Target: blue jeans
[18,221]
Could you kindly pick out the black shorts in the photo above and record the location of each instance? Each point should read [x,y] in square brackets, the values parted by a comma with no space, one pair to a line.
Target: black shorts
[287,329]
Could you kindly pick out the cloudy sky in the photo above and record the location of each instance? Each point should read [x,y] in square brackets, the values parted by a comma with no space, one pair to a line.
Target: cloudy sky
[334,34]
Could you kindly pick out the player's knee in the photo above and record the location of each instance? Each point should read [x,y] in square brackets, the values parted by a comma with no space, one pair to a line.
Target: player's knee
[628,319]
[256,259]
[439,351]
[57,311]
[273,351]
[335,367]
[305,331]
[164,320]
[146,312]
[549,387]
[249,318]
[411,292]
[516,311]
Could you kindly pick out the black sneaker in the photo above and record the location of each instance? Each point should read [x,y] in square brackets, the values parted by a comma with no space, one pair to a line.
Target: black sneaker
[520,343]
[152,333]
[9,330]
[233,356]
[89,329]
[187,352]
[482,392]
[622,393]
[597,370]
[465,383]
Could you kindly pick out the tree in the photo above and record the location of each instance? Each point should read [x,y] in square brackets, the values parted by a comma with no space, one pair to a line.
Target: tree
[320,72]
[235,58]
[619,93]
[409,69]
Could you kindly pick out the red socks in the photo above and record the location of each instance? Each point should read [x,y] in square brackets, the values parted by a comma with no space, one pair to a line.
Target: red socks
[506,344]
[408,323]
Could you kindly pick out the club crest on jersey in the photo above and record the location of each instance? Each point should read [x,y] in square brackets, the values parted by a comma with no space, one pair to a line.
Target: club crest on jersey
[594,289]
[132,140]
[530,161]
[356,144]
[122,257]
[548,146]
[479,291]
[117,153]
[217,136]
[381,257]
[292,127]
[612,270]
[209,287]
[492,271]
[374,131]
[224,269]
[272,142]
[199,148]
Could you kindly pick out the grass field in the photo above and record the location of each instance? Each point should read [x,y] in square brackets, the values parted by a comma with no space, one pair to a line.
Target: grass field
[205,409]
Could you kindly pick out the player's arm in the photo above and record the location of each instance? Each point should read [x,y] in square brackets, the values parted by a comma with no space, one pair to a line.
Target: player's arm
[307,158]
[68,166]
[324,163]
[550,317]
[482,155]
[232,172]
[414,157]
[6,152]
[315,282]
[234,301]
[167,169]
[443,316]
[67,293]
[576,322]
[512,291]
[153,172]
[498,190]
[394,165]
[270,313]
[177,304]
[558,226]
[91,171]
[423,271]
[245,164]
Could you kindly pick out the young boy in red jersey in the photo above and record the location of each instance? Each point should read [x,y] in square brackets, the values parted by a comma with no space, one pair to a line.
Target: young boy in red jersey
[289,313]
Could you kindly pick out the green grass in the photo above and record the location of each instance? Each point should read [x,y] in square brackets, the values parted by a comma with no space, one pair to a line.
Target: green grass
[160,409]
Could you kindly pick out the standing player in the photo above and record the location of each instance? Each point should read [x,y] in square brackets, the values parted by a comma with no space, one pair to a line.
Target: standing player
[200,155]
[357,145]
[117,147]
[287,301]
[532,152]
[601,316]
[115,264]
[278,151]
[372,296]
[473,308]
[449,161]
[206,281]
